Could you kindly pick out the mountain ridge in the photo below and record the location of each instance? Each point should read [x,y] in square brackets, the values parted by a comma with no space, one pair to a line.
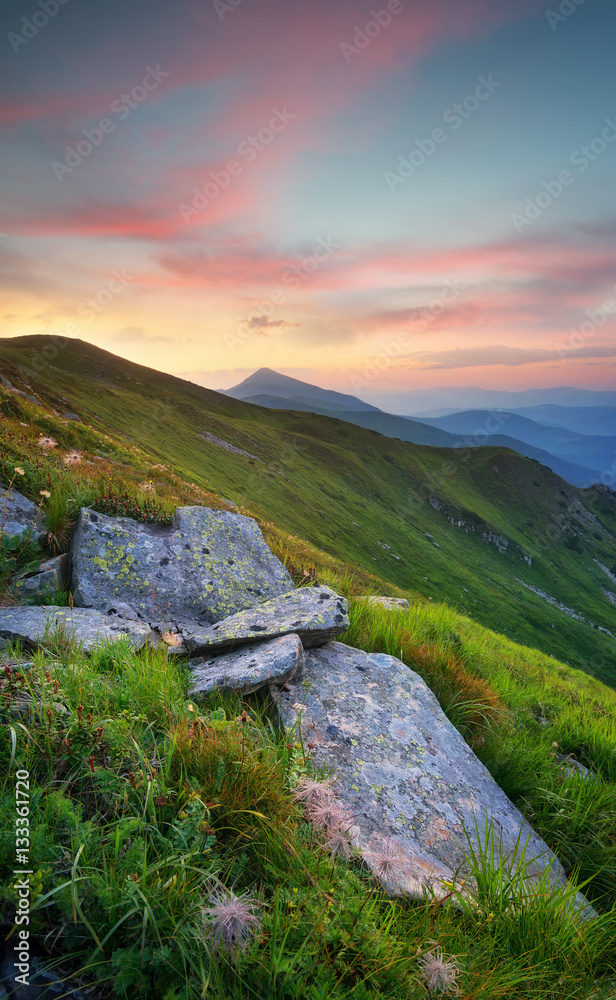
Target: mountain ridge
[434,432]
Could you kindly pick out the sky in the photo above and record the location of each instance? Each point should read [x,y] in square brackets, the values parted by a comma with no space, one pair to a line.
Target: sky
[369,196]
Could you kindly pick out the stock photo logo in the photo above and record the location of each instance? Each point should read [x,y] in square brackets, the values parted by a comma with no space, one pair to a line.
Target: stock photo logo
[249,148]
[582,159]
[454,117]
[123,106]
[363,36]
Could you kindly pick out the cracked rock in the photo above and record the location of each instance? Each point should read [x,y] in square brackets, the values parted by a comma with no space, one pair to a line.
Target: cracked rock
[249,668]
[316,614]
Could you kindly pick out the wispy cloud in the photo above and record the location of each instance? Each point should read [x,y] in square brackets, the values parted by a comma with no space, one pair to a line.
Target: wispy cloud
[500,354]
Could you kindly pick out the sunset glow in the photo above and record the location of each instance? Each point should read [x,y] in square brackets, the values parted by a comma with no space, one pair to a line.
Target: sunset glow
[421,189]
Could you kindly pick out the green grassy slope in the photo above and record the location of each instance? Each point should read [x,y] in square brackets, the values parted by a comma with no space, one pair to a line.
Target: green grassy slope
[367,499]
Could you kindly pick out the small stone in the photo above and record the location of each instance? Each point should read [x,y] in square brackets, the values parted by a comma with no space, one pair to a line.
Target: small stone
[21,516]
[249,668]
[390,603]
[572,767]
[51,576]
[43,984]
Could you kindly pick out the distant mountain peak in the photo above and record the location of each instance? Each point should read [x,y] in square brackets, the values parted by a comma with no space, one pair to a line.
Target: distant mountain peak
[267,382]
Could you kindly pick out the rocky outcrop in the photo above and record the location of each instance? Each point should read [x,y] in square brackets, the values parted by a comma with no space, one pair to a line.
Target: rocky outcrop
[471,524]
[33,625]
[207,565]
[220,443]
[315,614]
[404,771]
[21,516]
[249,668]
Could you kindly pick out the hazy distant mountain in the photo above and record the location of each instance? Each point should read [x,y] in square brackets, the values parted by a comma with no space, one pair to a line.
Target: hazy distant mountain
[434,402]
[308,398]
[271,383]
[599,420]
[593,452]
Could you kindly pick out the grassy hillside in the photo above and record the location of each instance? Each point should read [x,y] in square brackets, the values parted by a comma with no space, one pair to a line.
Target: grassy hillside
[147,810]
[412,516]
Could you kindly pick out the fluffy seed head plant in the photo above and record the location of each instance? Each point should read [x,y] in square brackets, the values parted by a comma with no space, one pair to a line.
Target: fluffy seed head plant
[329,816]
[231,922]
[312,792]
[439,974]
[388,860]
[338,842]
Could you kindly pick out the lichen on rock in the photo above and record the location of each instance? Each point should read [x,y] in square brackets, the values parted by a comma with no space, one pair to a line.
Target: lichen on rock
[207,565]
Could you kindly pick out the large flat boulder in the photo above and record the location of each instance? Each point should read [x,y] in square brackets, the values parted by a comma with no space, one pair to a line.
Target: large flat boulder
[249,668]
[32,625]
[21,516]
[315,614]
[404,772]
[206,565]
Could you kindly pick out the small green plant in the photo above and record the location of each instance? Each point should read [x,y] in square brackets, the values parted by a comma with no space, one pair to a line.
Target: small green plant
[126,504]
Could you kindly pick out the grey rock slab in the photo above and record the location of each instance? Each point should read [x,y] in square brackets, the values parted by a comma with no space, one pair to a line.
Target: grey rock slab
[402,768]
[206,565]
[88,627]
[316,614]
[249,668]
[21,516]
[390,603]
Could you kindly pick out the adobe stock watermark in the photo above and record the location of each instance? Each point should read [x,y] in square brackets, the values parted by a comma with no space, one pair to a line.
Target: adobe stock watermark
[123,106]
[224,7]
[453,117]
[581,158]
[563,12]
[362,37]
[30,26]
[293,277]
[88,310]
[461,452]
[249,148]
[596,318]
[393,349]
